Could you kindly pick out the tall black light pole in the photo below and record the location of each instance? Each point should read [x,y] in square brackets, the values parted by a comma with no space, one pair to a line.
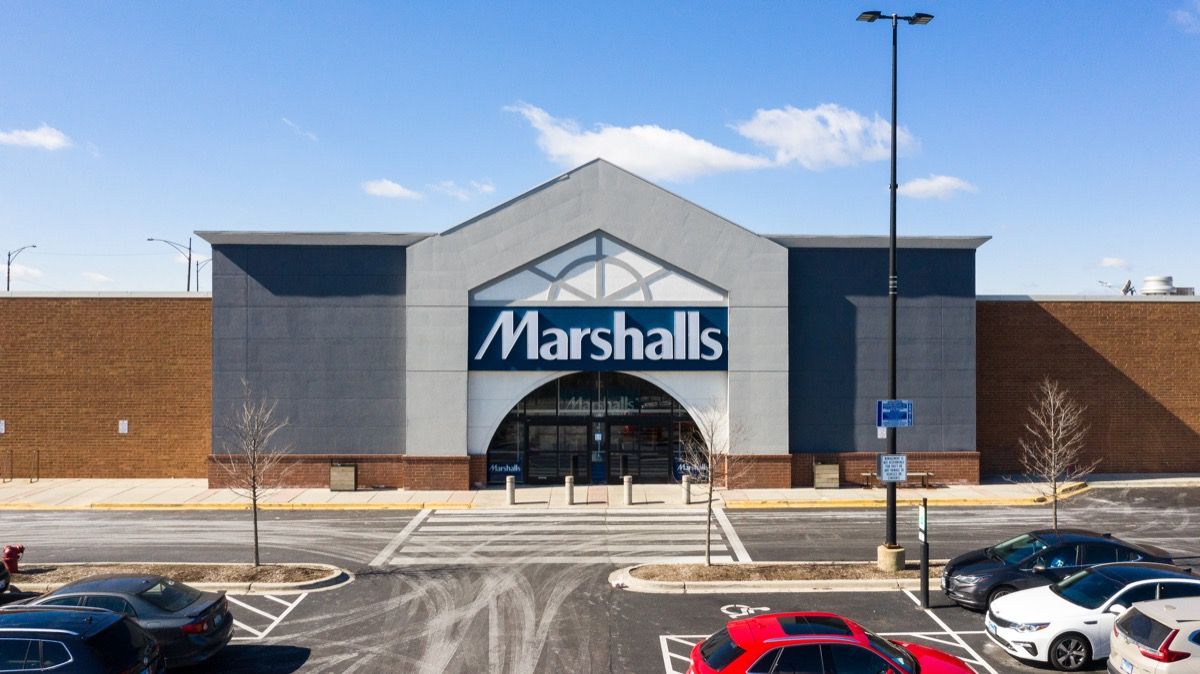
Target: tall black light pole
[200,264]
[916,19]
[12,255]
[182,251]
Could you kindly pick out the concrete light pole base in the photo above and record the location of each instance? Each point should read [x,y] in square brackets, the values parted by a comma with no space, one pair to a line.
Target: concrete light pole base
[889,559]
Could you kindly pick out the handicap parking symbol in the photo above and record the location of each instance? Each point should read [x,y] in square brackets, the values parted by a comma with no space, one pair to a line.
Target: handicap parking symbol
[741,610]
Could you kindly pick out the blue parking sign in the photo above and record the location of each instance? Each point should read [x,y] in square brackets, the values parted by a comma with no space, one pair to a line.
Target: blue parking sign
[894,413]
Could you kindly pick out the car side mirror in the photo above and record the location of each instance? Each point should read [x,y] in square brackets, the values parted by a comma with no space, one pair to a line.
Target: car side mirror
[1116,609]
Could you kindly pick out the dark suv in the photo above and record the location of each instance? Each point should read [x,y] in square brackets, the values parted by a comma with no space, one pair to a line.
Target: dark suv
[75,641]
[977,578]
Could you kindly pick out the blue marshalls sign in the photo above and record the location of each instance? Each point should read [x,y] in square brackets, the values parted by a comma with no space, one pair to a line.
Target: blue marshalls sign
[597,338]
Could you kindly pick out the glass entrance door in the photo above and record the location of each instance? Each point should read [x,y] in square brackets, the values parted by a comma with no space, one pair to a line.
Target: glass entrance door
[556,450]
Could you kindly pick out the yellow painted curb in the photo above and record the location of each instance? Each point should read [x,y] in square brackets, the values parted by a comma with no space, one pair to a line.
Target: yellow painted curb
[765,504]
[238,506]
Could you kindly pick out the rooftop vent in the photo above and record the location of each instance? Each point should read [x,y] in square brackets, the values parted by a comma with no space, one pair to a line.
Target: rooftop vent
[1163,285]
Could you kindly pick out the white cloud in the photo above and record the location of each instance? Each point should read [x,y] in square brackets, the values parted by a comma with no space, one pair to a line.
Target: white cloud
[453,189]
[1187,20]
[95,277]
[298,130]
[935,187]
[648,150]
[44,137]
[20,271]
[386,188]
[1115,263]
[824,136]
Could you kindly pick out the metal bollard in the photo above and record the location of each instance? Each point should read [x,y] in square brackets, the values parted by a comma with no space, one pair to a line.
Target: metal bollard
[687,489]
[569,483]
[510,487]
[628,480]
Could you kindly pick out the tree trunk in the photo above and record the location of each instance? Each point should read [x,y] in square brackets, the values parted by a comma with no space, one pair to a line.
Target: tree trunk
[1055,509]
[254,511]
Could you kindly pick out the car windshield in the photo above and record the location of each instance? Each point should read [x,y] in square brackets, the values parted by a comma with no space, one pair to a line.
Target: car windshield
[1086,588]
[1017,549]
[170,595]
[894,652]
[719,650]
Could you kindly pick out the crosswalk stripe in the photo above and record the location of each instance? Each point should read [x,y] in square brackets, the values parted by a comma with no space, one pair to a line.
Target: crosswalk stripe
[450,528]
[598,545]
[561,536]
[491,559]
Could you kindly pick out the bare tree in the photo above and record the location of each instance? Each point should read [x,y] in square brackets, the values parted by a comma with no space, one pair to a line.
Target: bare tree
[1052,451]
[708,457]
[252,463]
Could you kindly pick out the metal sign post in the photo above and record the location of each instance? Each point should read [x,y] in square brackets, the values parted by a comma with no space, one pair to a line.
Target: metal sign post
[922,529]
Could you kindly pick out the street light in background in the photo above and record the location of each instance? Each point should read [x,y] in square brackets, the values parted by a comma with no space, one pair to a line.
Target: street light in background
[917,19]
[182,251]
[200,264]
[12,255]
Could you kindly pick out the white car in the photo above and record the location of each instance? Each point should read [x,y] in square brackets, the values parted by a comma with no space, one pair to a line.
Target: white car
[1157,637]
[1069,624]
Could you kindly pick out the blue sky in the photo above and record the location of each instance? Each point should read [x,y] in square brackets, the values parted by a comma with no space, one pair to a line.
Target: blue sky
[1067,131]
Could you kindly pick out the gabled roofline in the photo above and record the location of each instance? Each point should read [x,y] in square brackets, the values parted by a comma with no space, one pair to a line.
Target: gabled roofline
[219,238]
[837,241]
[567,176]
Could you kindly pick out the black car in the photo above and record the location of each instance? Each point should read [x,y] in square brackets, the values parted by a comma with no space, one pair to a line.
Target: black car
[977,578]
[189,624]
[75,641]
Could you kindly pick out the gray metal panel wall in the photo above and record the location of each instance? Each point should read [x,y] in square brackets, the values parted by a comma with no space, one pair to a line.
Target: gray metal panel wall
[837,335]
[320,330]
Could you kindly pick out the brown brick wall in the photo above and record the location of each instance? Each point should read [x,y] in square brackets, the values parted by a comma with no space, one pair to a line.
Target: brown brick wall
[761,471]
[312,470]
[947,467]
[478,471]
[1135,364]
[70,368]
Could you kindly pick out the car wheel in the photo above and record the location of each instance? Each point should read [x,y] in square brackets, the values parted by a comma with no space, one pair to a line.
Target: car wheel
[999,592]
[1070,653]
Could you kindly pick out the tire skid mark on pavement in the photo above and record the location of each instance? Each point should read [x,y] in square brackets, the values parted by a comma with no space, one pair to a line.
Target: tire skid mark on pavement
[261,633]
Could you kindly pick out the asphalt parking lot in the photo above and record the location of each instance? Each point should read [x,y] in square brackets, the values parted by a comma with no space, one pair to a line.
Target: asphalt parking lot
[463,593]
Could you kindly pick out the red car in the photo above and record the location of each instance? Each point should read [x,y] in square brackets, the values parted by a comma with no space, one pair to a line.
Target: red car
[813,643]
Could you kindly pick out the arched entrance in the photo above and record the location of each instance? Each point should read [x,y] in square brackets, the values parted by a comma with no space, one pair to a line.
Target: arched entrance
[596,426]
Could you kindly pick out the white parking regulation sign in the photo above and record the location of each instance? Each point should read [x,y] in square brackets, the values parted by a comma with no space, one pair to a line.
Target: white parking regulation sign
[893,467]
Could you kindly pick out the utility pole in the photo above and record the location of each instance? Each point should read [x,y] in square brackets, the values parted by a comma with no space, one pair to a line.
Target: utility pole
[182,251]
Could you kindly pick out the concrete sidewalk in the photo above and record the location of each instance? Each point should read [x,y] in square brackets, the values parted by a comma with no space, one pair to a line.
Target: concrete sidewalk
[194,494]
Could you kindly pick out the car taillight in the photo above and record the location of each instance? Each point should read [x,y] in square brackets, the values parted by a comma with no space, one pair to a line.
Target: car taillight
[1164,652]
[199,627]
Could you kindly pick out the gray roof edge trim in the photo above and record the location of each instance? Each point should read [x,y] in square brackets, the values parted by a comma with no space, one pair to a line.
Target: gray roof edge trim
[220,238]
[104,294]
[871,241]
[1088,298]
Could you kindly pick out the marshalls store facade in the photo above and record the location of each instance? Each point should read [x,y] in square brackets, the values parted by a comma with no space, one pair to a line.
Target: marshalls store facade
[581,329]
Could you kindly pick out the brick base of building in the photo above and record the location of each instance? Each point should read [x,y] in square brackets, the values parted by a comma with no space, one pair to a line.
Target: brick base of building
[397,471]
[946,467]
[460,473]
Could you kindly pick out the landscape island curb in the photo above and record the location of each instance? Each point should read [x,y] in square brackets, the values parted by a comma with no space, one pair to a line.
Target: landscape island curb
[335,578]
[623,579]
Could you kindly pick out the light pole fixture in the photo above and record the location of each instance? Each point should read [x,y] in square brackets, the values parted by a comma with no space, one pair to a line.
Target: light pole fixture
[12,255]
[182,251]
[200,264]
[917,19]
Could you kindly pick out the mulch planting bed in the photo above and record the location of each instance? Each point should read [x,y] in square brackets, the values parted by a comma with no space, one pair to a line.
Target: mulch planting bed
[186,573]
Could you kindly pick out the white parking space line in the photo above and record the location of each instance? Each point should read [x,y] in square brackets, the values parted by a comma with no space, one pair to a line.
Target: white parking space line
[400,537]
[260,634]
[977,658]
[731,535]
[492,558]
